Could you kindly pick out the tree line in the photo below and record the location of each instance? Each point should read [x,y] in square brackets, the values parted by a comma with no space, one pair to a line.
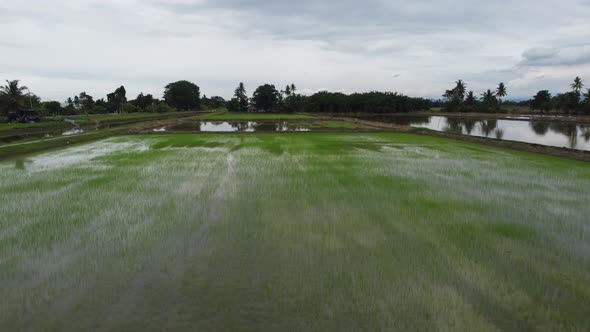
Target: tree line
[186,96]
[458,99]
[177,96]
[266,98]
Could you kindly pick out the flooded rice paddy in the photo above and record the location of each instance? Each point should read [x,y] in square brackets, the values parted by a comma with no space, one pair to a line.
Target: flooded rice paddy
[544,132]
[323,231]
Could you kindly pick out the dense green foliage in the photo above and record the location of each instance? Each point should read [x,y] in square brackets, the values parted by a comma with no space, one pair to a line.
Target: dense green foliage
[240,101]
[183,95]
[12,95]
[455,100]
[215,102]
[371,102]
[266,98]
[116,100]
[569,102]
[458,101]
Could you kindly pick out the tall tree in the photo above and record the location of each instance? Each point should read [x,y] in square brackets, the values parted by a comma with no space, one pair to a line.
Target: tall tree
[86,102]
[116,100]
[470,100]
[577,85]
[266,97]
[461,87]
[488,98]
[241,97]
[541,101]
[77,102]
[455,96]
[13,94]
[183,95]
[293,88]
[501,92]
[143,101]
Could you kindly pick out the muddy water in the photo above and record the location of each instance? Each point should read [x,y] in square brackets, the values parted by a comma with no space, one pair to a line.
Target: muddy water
[551,133]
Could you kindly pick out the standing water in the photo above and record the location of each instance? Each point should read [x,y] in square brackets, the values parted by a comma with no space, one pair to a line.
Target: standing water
[550,133]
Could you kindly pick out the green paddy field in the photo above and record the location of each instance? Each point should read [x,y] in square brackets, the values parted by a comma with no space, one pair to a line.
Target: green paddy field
[293,232]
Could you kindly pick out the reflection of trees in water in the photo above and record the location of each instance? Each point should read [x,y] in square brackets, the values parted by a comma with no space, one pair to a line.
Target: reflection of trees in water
[488,126]
[567,129]
[240,126]
[585,132]
[458,126]
[469,125]
[540,128]
[265,126]
[572,131]
[401,120]
[454,125]
[499,133]
[187,126]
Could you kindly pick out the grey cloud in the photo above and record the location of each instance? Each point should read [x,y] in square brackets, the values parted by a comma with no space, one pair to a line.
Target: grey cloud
[571,56]
[311,19]
[540,53]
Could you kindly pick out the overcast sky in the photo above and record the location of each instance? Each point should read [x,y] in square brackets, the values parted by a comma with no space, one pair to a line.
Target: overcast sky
[59,48]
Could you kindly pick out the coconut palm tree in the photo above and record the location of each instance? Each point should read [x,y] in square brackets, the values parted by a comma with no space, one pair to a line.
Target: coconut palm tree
[460,89]
[470,100]
[577,85]
[501,92]
[488,98]
[13,93]
[242,98]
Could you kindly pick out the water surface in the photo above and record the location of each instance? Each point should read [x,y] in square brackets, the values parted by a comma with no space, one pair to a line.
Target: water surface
[238,126]
[551,133]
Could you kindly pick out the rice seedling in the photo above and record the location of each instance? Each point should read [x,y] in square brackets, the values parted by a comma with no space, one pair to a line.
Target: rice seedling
[315,231]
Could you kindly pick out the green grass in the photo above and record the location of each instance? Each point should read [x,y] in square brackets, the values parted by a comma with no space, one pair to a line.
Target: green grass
[255,116]
[129,118]
[10,126]
[314,231]
[338,125]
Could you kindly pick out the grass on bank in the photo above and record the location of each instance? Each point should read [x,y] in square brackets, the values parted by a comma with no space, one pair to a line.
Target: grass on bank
[318,231]
[11,126]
